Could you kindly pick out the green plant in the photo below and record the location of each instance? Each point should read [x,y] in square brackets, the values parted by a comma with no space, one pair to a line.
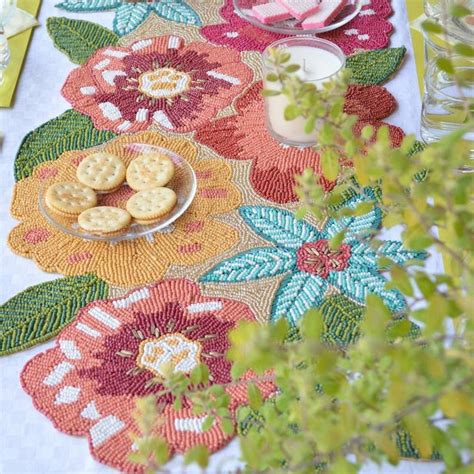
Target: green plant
[391,391]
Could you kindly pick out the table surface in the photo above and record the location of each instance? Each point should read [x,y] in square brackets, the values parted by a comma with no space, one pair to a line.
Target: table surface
[29,444]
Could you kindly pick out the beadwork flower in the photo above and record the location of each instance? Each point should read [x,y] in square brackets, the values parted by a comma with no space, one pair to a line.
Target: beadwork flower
[369,30]
[156,81]
[302,253]
[194,238]
[113,352]
[245,136]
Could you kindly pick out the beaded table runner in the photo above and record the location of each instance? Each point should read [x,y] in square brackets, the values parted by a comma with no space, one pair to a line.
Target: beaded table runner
[237,253]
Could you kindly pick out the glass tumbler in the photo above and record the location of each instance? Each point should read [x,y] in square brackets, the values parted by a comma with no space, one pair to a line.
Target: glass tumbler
[447,105]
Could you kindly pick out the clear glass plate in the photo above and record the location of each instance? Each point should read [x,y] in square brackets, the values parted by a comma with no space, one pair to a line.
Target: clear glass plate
[293,26]
[183,183]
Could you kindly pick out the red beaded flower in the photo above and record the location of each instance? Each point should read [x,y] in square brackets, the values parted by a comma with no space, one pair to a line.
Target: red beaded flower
[156,81]
[114,352]
[245,137]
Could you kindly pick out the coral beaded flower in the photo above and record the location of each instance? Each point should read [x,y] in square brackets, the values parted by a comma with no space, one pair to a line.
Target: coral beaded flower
[156,81]
[369,30]
[114,352]
[245,136]
[194,238]
[302,253]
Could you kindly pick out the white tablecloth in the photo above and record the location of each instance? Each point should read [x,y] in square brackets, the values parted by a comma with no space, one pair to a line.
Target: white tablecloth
[29,444]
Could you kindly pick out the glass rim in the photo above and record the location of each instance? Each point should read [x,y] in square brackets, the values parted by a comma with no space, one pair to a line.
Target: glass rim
[315,41]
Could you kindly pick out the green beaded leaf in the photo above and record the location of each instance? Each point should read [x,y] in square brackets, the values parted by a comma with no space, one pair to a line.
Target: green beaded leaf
[342,318]
[375,67]
[79,39]
[70,131]
[40,312]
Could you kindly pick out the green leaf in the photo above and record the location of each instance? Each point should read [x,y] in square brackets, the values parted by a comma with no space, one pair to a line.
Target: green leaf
[40,312]
[270,93]
[227,426]
[459,10]
[199,455]
[129,17]
[79,39]
[208,422]
[464,49]
[255,396]
[445,65]
[291,112]
[272,77]
[375,67]
[419,430]
[330,164]
[432,26]
[70,131]
[312,324]
[292,68]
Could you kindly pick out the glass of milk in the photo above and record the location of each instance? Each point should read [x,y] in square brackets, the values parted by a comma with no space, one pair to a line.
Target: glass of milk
[319,61]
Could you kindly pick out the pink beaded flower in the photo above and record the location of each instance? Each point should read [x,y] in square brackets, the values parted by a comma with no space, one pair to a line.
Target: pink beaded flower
[114,352]
[369,30]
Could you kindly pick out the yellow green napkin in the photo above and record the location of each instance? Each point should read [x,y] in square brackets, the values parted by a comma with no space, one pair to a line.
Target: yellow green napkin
[18,48]
[20,21]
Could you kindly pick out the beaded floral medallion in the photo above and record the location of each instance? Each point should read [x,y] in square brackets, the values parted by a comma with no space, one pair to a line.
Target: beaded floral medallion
[195,237]
[160,81]
[112,354]
[245,136]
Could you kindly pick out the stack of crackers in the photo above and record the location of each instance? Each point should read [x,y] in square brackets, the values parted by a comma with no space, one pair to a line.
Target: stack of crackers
[101,173]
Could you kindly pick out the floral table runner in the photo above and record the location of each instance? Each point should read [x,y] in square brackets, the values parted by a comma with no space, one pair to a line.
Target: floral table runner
[237,254]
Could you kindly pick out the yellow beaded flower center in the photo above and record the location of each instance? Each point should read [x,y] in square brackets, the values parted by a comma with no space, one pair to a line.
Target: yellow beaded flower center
[174,350]
[163,83]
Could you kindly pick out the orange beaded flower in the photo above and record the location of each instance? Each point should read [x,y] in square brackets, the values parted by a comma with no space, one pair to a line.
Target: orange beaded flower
[113,354]
[194,238]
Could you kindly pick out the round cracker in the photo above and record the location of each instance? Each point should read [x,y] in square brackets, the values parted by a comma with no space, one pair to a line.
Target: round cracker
[101,171]
[149,171]
[151,204]
[70,198]
[104,219]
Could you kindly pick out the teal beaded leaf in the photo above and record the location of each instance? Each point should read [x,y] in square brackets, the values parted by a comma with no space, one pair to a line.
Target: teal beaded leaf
[78,39]
[278,226]
[297,293]
[394,250]
[252,265]
[88,5]
[130,16]
[40,312]
[375,67]
[70,131]
[178,11]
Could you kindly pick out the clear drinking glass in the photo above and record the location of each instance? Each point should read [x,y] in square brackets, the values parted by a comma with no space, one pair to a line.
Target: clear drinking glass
[7,7]
[434,7]
[457,29]
[444,104]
